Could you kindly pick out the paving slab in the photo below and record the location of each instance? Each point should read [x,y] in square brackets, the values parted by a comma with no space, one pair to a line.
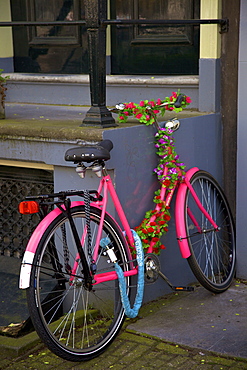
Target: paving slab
[202,320]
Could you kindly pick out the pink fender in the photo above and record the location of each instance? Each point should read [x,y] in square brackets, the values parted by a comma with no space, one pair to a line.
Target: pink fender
[32,245]
[42,226]
[179,215]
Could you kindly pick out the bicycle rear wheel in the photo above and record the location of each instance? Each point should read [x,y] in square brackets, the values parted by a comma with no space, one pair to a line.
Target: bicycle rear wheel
[213,255]
[75,323]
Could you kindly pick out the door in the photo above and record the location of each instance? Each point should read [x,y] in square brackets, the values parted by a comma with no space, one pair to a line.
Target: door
[150,49]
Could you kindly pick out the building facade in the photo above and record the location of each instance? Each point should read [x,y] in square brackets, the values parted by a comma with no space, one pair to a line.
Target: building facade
[48,65]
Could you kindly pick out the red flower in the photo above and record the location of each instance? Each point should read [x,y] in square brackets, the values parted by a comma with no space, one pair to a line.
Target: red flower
[167,182]
[130,105]
[162,246]
[152,223]
[139,115]
[155,239]
[144,231]
[150,230]
[145,241]
[162,222]
[167,217]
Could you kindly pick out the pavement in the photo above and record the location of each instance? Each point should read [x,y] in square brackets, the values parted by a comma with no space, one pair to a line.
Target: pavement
[185,330]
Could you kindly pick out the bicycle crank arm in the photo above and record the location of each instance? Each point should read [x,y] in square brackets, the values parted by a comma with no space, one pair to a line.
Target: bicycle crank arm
[176,288]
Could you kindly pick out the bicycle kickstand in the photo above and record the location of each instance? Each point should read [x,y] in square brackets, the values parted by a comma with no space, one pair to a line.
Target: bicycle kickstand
[176,288]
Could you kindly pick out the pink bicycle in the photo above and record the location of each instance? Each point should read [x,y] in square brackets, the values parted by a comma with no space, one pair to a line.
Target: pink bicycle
[69,266]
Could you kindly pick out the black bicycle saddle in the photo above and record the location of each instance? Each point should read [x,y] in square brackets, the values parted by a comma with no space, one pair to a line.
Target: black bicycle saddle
[87,153]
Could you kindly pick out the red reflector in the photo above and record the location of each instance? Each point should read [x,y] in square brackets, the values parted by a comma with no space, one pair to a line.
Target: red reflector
[28,207]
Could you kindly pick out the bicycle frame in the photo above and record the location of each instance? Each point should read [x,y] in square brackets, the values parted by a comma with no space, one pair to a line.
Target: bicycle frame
[106,187]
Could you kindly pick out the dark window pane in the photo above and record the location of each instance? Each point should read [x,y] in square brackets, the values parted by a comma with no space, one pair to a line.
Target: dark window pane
[50,49]
[150,49]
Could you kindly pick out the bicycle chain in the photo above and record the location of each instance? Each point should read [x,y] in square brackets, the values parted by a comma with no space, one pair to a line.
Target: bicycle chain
[89,235]
[65,250]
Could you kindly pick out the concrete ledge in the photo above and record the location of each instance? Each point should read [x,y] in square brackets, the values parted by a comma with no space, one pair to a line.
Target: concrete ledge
[110,79]
[52,123]
[18,346]
[74,89]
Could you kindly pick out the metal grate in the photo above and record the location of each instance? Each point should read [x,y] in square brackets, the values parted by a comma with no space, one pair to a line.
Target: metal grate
[15,184]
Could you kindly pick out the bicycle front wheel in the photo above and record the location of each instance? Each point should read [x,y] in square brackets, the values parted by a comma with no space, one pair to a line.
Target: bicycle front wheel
[74,322]
[213,255]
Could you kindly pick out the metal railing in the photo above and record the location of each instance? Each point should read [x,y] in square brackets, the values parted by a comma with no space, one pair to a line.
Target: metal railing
[224,23]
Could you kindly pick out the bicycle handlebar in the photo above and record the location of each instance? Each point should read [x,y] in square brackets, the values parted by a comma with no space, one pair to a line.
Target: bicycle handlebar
[178,102]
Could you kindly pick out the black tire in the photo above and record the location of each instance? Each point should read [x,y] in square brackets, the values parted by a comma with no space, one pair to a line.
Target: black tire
[74,323]
[213,253]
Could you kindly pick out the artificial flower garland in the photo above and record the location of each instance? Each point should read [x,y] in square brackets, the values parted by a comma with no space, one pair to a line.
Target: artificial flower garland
[155,222]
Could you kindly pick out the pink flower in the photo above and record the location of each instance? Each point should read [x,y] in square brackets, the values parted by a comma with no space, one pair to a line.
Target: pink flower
[188,100]
[156,111]
[130,105]
[126,113]
[152,103]
[142,103]
[158,102]
[148,117]
[121,117]
[139,115]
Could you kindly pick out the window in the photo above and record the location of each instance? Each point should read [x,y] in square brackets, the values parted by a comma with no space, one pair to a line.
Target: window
[136,49]
[49,49]
[150,49]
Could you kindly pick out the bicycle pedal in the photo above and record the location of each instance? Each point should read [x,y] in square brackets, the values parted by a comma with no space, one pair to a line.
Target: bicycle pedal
[183,288]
